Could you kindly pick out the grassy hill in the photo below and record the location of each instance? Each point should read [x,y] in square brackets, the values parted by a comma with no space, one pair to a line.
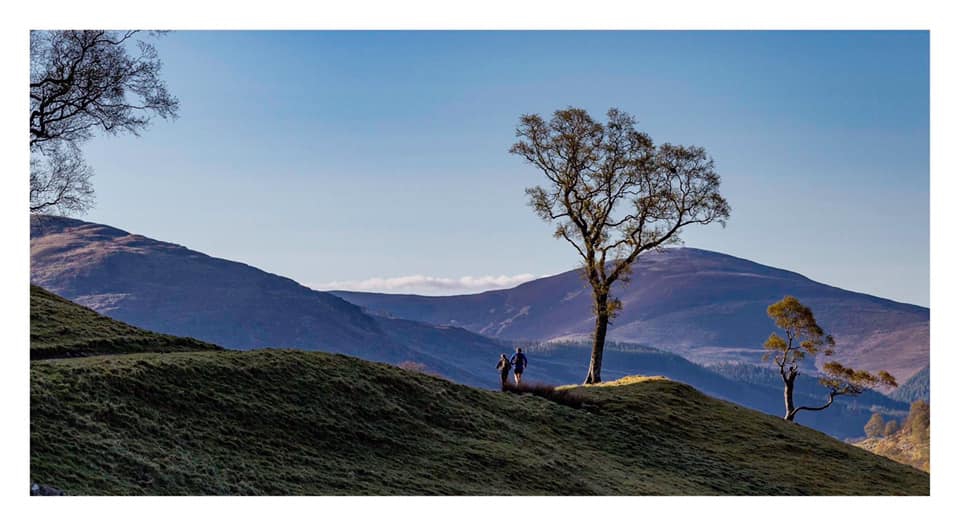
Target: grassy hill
[60,328]
[291,422]
[213,421]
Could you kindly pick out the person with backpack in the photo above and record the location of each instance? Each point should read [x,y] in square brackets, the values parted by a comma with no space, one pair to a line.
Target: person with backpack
[504,367]
[519,361]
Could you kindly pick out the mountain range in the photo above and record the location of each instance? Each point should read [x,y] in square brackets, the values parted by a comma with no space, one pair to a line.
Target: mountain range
[168,288]
[706,306]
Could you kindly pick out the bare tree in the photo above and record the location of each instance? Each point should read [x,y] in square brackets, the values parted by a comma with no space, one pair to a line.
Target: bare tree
[803,337]
[60,182]
[82,81]
[613,195]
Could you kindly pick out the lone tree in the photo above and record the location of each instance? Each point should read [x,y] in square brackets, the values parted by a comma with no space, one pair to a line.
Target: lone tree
[613,195]
[81,82]
[803,337]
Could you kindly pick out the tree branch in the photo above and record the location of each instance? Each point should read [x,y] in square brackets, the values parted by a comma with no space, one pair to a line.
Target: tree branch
[833,394]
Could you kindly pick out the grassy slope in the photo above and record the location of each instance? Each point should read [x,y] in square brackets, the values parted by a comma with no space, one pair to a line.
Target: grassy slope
[61,328]
[289,422]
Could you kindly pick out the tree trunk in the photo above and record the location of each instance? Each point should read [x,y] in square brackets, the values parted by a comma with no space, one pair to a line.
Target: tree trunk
[599,337]
[788,399]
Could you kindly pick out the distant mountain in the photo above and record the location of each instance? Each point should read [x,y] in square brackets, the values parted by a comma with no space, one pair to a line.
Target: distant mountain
[168,288]
[916,388]
[171,289]
[704,305]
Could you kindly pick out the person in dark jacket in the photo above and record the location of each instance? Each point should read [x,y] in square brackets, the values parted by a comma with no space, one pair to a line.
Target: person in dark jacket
[519,361]
[504,367]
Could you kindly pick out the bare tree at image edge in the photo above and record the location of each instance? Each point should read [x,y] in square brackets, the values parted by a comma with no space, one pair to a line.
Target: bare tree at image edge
[613,195]
[81,82]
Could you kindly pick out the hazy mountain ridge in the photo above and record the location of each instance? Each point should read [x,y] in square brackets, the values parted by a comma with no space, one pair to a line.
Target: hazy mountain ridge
[917,387]
[168,288]
[705,305]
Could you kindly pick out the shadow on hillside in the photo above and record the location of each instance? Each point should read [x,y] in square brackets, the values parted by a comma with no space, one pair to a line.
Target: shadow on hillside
[565,397]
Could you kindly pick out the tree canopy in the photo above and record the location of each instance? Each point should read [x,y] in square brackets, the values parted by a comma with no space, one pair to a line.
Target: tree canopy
[613,194]
[803,337]
[81,82]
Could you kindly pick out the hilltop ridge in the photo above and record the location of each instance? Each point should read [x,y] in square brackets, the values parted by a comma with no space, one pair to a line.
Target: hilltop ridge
[60,328]
[291,422]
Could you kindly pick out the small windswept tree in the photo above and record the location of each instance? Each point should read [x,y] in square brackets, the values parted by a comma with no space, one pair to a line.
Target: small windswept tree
[802,338]
[613,194]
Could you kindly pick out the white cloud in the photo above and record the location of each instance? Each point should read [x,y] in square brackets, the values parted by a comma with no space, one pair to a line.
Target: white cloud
[428,284]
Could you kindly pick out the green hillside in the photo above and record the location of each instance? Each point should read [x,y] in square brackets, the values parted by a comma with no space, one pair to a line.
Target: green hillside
[60,328]
[291,422]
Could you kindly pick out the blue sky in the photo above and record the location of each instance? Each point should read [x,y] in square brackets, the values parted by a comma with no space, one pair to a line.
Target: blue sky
[379,160]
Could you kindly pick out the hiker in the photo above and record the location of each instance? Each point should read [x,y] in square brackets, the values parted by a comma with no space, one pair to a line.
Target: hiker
[519,362]
[504,367]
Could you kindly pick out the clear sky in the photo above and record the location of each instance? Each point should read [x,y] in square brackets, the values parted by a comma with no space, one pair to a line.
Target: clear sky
[378,160]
